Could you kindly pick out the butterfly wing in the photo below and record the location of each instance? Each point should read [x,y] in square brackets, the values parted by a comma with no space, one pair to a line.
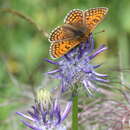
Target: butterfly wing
[62,41]
[59,49]
[61,33]
[74,17]
[93,17]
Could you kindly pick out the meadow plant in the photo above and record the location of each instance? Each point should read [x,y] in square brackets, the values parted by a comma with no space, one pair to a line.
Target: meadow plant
[47,113]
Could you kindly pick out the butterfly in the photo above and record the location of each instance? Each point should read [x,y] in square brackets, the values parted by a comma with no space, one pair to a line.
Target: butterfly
[76,29]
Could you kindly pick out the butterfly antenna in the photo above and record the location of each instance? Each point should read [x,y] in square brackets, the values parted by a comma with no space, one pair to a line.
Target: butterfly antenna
[99,32]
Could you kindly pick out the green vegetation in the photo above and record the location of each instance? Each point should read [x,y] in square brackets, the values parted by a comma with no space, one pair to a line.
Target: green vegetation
[23,48]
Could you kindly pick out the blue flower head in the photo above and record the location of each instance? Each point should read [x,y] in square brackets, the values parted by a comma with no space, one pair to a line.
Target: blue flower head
[75,67]
[46,115]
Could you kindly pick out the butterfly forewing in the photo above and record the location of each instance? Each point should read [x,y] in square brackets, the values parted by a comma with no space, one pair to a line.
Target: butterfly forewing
[74,17]
[57,34]
[62,33]
[93,17]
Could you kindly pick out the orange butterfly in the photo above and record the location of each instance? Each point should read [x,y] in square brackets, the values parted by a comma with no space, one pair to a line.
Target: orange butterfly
[77,26]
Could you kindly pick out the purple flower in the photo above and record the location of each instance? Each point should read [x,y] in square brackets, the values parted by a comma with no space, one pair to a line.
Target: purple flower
[46,118]
[75,67]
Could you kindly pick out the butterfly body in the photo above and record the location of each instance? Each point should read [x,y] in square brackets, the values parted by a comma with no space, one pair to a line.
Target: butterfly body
[76,29]
[74,32]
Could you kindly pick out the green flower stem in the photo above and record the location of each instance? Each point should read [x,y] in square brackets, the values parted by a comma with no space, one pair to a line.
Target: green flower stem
[123,56]
[75,109]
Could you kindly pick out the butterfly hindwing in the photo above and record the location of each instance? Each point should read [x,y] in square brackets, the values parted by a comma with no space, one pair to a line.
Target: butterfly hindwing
[61,48]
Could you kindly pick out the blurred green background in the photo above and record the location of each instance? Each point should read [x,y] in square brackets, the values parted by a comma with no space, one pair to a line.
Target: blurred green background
[23,48]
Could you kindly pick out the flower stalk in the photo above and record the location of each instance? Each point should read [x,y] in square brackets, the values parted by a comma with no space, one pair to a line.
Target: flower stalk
[75,108]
